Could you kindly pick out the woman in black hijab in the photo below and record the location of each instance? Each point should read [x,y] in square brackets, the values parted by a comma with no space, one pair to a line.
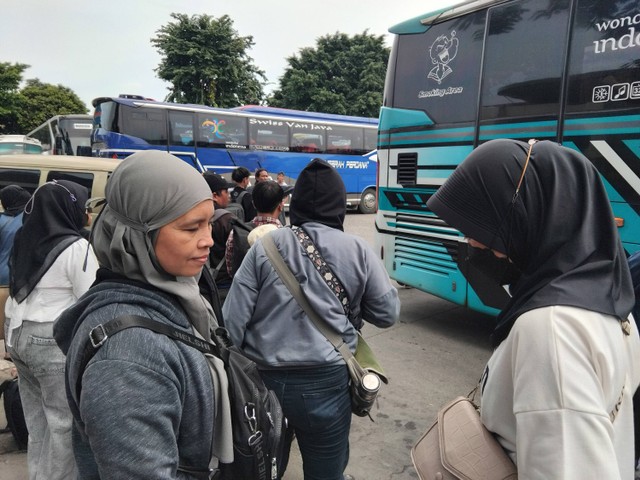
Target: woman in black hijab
[47,276]
[557,390]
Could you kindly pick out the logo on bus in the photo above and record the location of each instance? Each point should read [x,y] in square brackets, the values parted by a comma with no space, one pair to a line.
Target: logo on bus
[442,51]
[214,127]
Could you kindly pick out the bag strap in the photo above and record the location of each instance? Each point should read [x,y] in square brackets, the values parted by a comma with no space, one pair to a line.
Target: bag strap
[99,334]
[289,279]
[333,282]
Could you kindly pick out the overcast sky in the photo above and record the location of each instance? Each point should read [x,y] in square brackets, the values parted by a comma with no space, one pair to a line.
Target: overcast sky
[103,48]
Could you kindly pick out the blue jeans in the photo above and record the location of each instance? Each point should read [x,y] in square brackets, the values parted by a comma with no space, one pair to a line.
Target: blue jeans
[41,367]
[317,404]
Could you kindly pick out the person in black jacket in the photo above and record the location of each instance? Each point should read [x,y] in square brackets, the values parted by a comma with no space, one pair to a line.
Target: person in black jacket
[240,194]
[220,232]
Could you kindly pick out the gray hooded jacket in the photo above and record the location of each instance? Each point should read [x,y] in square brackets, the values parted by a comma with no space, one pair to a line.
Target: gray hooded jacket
[138,432]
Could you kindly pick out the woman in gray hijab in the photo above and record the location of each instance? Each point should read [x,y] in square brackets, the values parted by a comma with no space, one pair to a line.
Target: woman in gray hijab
[146,406]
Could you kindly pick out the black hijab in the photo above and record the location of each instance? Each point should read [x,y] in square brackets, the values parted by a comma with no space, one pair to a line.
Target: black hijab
[14,198]
[319,196]
[52,221]
[559,232]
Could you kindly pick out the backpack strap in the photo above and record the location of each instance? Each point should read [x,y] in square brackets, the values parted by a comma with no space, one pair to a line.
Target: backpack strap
[241,196]
[99,334]
[219,212]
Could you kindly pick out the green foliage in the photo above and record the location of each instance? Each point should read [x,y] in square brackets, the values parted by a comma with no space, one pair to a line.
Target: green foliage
[206,61]
[10,78]
[41,101]
[342,74]
[23,110]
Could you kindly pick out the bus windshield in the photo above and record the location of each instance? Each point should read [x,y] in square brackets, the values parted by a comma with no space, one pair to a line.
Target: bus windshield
[65,135]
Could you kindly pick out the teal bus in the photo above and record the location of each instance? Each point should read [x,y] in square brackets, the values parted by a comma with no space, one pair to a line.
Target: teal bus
[560,70]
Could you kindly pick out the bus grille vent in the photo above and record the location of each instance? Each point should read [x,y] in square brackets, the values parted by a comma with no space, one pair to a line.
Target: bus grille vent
[407,168]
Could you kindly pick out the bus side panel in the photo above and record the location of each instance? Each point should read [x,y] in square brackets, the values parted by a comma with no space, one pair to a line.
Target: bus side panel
[619,165]
[419,249]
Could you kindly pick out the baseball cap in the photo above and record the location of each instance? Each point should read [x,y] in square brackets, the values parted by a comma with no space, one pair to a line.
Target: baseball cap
[217,182]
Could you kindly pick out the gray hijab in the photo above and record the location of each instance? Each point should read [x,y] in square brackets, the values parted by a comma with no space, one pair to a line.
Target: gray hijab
[148,190]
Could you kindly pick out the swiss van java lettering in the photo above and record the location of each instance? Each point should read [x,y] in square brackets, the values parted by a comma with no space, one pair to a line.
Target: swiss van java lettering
[279,123]
[629,39]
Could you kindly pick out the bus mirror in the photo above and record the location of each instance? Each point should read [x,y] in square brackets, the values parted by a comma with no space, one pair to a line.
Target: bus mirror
[58,149]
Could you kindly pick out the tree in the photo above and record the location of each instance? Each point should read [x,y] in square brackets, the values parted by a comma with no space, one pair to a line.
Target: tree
[10,78]
[40,101]
[206,61]
[343,75]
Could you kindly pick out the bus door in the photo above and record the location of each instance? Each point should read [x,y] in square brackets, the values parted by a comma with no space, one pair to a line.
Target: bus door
[602,118]
[181,138]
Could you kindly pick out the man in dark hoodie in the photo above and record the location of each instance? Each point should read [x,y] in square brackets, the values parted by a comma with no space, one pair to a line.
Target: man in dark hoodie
[296,360]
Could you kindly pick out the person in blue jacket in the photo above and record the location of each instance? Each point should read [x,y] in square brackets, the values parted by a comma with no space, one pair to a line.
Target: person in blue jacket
[13,198]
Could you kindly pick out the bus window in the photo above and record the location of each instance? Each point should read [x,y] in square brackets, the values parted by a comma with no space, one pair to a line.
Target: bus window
[82,178]
[181,128]
[370,139]
[268,134]
[106,116]
[44,135]
[305,138]
[147,124]
[219,130]
[524,59]
[27,179]
[348,140]
[437,71]
[603,73]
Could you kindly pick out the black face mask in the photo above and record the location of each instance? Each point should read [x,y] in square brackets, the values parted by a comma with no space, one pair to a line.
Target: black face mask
[487,274]
[500,270]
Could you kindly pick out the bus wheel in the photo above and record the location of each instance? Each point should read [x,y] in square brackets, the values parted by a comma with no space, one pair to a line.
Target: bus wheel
[368,201]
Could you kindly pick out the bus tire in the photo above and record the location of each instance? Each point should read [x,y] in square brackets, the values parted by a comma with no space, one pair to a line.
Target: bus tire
[368,201]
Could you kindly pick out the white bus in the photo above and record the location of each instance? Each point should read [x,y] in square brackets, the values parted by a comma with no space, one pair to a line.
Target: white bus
[65,135]
[11,144]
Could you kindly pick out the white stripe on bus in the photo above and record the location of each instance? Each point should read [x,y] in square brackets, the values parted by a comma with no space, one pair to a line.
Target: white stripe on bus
[617,163]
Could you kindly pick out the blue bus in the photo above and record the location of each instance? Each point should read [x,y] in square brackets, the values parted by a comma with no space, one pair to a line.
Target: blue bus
[560,70]
[278,140]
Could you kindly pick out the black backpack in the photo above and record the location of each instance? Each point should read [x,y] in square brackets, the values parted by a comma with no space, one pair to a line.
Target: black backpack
[257,420]
[14,413]
[241,231]
[235,206]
